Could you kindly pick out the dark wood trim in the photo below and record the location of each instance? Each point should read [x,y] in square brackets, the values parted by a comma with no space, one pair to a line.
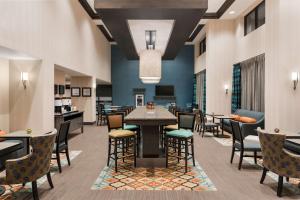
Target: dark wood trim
[89,123]
[105,33]
[88,9]
[210,16]
[195,33]
[220,12]
[224,7]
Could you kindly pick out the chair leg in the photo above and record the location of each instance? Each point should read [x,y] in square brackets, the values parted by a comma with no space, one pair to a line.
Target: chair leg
[280,185]
[255,157]
[50,180]
[232,154]
[186,154]
[134,150]
[35,193]
[193,153]
[287,179]
[109,150]
[241,159]
[68,156]
[116,154]
[179,150]
[167,150]
[123,149]
[58,161]
[203,130]
[23,184]
[263,175]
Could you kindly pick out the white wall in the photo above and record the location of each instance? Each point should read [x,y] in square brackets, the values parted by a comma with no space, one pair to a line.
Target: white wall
[282,58]
[251,45]
[4,91]
[86,104]
[57,32]
[226,45]
[220,51]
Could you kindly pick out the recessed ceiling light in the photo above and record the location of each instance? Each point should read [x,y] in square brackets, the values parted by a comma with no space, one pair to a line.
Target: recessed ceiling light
[232,12]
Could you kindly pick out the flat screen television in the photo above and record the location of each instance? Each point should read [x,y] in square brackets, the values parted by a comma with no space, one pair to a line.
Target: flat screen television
[164,90]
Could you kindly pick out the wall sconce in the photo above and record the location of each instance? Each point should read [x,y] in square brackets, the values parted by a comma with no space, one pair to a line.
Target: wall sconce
[24,78]
[226,87]
[295,79]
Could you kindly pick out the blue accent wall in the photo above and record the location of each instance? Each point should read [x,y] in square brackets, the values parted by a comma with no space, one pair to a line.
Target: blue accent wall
[178,72]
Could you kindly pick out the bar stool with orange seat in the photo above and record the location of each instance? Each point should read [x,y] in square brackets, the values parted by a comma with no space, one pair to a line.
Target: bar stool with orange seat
[120,139]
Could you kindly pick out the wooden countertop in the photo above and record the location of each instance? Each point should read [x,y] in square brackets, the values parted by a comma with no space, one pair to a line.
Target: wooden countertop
[158,115]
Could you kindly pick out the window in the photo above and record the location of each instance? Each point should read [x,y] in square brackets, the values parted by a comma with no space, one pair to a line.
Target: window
[255,18]
[203,46]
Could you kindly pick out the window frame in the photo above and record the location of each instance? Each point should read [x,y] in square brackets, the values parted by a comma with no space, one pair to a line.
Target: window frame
[255,11]
[202,46]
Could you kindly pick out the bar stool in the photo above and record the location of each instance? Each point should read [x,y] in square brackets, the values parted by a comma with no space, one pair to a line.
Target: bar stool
[120,139]
[181,139]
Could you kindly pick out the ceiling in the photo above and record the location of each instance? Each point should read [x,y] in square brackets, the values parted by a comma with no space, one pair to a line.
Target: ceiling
[116,13]
[120,24]
[163,31]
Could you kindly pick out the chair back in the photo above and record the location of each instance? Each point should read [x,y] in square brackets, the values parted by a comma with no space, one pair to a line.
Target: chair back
[115,121]
[62,137]
[272,150]
[35,165]
[236,132]
[186,121]
[202,117]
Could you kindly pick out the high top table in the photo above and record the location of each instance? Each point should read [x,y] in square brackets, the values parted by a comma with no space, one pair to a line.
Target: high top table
[150,121]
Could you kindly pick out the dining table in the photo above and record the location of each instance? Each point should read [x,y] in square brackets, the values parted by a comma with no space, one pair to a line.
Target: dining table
[222,118]
[151,121]
[213,115]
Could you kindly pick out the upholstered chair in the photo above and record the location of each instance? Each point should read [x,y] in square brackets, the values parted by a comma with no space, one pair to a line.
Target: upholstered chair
[183,139]
[243,144]
[277,159]
[33,166]
[118,138]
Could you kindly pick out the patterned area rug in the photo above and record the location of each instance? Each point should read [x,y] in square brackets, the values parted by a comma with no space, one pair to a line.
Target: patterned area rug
[19,192]
[173,178]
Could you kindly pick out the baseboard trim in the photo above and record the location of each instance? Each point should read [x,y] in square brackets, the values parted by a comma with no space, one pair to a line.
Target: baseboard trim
[89,123]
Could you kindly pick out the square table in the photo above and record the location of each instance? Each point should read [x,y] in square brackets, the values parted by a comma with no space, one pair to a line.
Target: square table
[18,135]
[213,116]
[221,118]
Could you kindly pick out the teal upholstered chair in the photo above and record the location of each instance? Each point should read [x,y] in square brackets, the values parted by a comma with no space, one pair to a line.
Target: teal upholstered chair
[183,139]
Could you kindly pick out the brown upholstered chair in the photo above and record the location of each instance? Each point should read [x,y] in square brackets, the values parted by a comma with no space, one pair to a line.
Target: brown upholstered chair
[33,166]
[277,159]
[120,139]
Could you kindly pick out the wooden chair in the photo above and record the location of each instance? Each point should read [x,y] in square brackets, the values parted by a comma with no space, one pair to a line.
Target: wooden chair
[277,159]
[243,144]
[101,115]
[33,166]
[120,139]
[183,137]
[204,126]
[61,144]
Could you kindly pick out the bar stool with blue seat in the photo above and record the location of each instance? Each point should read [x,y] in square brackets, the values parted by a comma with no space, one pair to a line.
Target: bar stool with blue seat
[120,139]
[183,139]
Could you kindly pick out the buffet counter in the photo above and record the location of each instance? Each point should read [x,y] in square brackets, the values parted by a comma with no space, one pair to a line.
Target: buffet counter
[75,117]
